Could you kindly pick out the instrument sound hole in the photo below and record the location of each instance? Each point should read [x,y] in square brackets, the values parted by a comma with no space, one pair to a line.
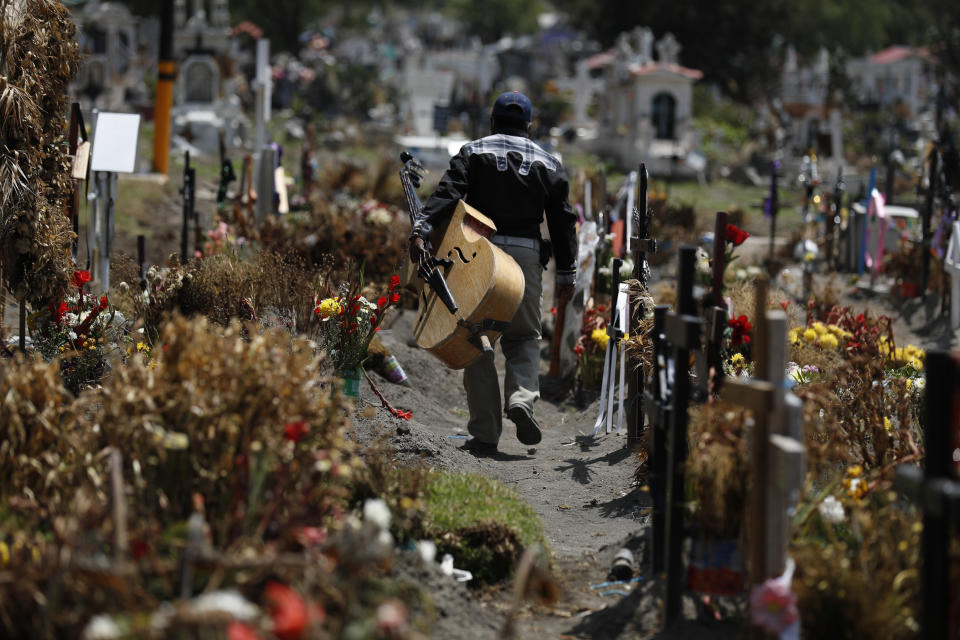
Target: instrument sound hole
[463,258]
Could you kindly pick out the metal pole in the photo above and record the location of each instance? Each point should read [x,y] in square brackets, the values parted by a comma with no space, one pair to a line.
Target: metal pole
[166,74]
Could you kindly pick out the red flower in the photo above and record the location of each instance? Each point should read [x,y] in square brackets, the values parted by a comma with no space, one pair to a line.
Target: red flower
[578,349]
[58,312]
[394,282]
[373,319]
[103,302]
[310,536]
[394,298]
[80,278]
[736,235]
[381,302]
[239,631]
[288,610]
[553,311]
[294,431]
[784,304]
[741,331]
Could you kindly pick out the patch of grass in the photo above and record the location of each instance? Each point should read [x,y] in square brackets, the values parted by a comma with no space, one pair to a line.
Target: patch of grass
[460,500]
[137,204]
[484,525]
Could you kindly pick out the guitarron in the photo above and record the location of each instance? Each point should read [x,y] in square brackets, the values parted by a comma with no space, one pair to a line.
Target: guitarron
[486,283]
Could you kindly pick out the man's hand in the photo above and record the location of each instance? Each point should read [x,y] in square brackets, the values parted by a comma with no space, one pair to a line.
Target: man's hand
[417,250]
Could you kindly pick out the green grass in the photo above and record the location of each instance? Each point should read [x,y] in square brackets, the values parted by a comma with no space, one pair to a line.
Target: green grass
[481,523]
[462,500]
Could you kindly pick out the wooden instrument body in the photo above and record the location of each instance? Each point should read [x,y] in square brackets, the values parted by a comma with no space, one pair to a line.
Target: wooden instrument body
[486,283]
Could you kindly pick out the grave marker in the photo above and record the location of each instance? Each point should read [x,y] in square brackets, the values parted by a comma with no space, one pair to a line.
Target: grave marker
[776,450]
[656,406]
[642,244]
[114,151]
[683,333]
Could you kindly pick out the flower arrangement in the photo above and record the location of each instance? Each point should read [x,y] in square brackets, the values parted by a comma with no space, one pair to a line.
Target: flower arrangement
[740,329]
[76,329]
[591,347]
[348,322]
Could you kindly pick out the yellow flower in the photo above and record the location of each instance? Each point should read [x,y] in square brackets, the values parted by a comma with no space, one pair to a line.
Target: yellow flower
[737,360]
[855,471]
[329,307]
[600,337]
[909,383]
[886,424]
[141,346]
[819,327]
[835,330]
[829,341]
[4,554]
[810,335]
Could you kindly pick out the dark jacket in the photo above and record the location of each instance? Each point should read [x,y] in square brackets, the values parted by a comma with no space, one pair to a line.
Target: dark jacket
[513,181]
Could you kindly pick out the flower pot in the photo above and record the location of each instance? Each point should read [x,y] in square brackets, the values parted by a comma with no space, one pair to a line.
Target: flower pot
[350,382]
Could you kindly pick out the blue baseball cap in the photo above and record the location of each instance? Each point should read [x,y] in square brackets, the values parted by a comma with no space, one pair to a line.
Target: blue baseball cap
[513,105]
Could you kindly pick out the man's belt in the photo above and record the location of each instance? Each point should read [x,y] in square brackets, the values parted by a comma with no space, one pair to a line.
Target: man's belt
[515,241]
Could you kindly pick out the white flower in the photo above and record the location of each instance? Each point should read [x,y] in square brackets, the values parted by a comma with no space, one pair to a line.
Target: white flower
[427,550]
[228,602]
[376,510]
[919,383]
[101,627]
[831,510]
[740,274]
[72,335]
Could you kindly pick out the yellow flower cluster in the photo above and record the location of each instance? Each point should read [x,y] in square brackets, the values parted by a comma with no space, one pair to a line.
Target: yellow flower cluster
[737,360]
[329,307]
[902,356]
[600,337]
[855,485]
[827,336]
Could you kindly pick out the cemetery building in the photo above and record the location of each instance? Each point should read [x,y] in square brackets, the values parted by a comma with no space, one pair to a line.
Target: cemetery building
[644,112]
[897,77]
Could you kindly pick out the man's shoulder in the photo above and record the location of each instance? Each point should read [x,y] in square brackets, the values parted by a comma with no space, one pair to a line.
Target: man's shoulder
[500,144]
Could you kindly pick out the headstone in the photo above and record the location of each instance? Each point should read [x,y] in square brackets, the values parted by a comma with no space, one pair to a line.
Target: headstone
[573,318]
[201,80]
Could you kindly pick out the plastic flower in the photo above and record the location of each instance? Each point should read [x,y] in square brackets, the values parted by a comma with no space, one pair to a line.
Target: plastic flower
[793,336]
[741,331]
[831,510]
[294,431]
[829,341]
[394,282]
[80,278]
[737,360]
[736,235]
[887,425]
[328,307]
[287,609]
[773,606]
[600,337]
[810,335]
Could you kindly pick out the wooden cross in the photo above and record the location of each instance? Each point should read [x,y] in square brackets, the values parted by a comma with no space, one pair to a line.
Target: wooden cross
[683,333]
[642,244]
[656,407]
[717,314]
[936,489]
[776,451]
[81,155]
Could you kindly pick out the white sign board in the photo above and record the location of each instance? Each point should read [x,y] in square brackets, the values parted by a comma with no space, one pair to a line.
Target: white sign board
[115,142]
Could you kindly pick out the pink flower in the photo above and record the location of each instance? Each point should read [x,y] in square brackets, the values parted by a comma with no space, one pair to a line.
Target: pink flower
[773,606]
[391,618]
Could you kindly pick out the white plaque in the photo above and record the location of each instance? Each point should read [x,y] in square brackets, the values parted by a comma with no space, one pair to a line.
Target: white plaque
[115,142]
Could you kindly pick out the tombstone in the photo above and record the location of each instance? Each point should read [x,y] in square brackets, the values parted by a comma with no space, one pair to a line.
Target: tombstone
[199,80]
[618,325]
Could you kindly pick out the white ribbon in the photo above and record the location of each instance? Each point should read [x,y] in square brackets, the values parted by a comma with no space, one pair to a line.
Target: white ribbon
[608,387]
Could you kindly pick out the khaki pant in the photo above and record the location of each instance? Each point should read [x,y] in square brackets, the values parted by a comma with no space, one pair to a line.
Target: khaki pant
[521,348]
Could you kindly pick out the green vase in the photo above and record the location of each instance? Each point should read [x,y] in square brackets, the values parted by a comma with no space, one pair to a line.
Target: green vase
[350,382]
